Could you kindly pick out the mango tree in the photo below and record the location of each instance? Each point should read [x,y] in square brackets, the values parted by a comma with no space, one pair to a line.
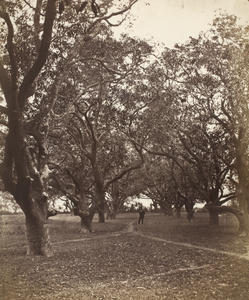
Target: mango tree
[215,72]
[91,121]
[29,38]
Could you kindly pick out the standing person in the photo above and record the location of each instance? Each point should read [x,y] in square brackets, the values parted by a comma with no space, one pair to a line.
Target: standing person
[141,216]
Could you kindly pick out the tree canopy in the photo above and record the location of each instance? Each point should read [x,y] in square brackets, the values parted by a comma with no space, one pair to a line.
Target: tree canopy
[98,119]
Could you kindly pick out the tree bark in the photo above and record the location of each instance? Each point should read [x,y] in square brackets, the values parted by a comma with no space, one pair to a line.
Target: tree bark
[86,223]
[101,212]
[21,176]
[243,179]
[38,237]
[85,213]
[243,199]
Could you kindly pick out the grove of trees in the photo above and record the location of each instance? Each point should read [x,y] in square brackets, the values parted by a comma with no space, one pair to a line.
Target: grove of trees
[96,120]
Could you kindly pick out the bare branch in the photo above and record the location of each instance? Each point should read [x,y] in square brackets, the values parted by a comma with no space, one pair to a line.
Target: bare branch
[122,173]
[61,187]
[36,9]
[105,18]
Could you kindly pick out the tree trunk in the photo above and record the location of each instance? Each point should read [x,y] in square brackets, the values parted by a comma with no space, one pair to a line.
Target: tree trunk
[38,238]
[113,215]
[99,191]
[213,218]
[85,213]
[243,183]
[243,199]
[86,223]
[242,218]
[111,212]
[178,212]
[178,208]
[101,216]
[101,206]
[213,206]
[166,207]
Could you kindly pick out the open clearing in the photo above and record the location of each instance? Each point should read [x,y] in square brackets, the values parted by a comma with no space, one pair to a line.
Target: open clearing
[164,258]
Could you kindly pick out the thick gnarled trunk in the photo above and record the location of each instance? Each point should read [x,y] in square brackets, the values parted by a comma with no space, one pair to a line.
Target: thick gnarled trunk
[85,213]
[215,210]
[24,177]
[86,223]
[38,238]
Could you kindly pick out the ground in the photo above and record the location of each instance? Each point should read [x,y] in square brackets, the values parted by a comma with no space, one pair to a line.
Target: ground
[164,258]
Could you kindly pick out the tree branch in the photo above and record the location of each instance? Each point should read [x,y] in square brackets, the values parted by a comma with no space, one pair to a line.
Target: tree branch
[42,55]
[104,18]
[10,48]
[5,83]
[60,186]
[121,174]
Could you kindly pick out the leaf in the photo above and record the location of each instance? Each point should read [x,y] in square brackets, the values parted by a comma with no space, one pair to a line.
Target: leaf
[83,5]
[61,7]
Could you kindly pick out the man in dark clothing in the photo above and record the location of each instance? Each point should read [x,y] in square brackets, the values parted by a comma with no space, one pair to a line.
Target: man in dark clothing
[141,216]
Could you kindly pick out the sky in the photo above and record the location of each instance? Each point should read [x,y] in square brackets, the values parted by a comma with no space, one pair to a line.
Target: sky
[173,21]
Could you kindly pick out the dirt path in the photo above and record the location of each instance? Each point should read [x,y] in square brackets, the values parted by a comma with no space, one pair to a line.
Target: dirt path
[130,229]
[193,246]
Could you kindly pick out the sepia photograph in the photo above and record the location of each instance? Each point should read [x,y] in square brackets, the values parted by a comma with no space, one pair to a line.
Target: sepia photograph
[124,150]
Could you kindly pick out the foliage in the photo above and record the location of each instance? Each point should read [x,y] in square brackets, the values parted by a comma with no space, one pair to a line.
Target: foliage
[31,75]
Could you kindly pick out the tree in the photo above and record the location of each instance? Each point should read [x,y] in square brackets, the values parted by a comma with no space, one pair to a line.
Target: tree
[158,184]
[91,120]
[216,79]
[118,194]
[199,120]
[25,173]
